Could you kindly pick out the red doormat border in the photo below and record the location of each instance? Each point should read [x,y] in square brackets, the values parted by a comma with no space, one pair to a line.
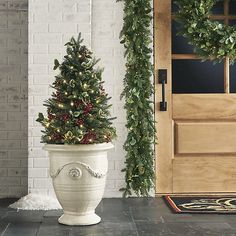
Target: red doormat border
[201,204]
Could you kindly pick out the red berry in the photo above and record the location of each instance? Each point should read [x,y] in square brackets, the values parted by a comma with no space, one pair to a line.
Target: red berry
[65,117]
[50,116]
[88,137]
[57,137]
[78,103]
[80,122]
[88,108]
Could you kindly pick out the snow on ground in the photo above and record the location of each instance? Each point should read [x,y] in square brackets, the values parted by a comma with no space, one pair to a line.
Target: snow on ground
[34,201]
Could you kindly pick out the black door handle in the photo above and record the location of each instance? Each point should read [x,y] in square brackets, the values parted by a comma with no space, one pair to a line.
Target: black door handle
[162,79]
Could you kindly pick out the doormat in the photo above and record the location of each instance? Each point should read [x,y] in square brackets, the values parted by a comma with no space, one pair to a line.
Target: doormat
[198,204]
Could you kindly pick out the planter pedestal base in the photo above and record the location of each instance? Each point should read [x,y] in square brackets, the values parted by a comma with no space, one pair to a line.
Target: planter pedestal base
[67,219]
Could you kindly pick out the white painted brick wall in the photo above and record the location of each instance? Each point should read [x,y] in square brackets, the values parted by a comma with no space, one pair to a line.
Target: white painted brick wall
[106,25]
[51,24]
[13,97]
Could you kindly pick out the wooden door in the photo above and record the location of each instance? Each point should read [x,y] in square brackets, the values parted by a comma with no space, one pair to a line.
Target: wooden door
[196,151]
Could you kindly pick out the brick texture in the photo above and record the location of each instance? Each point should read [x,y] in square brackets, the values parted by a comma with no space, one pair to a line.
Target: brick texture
[106,25]
[13,97]
[51,24]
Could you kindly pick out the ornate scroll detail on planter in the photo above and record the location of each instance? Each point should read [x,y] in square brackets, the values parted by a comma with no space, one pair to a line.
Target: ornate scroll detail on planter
[76,173]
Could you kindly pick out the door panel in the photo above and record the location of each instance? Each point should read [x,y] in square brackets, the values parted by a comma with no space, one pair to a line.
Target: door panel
[196,151]
[203,137]
[204,174]
[204,106]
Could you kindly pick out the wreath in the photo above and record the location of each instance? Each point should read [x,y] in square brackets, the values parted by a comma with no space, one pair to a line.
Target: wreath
[211,39]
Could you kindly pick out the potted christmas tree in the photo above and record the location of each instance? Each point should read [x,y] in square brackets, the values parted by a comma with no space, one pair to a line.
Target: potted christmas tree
[78,133]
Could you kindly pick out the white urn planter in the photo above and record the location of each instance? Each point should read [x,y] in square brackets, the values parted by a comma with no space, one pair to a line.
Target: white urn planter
[79,176]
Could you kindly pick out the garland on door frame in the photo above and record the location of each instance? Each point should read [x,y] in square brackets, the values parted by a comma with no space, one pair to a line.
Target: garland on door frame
[138,91]
[210,38]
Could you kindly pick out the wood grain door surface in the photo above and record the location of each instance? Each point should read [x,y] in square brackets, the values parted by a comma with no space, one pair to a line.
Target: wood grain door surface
[196,151]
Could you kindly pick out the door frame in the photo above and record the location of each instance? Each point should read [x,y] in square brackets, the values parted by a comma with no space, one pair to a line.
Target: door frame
[162,60]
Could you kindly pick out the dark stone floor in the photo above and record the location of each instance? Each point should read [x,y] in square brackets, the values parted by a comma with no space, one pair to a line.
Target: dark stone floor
[120,217]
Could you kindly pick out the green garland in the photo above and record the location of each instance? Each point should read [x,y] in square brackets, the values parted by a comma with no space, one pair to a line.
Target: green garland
[211,39]
[136,37]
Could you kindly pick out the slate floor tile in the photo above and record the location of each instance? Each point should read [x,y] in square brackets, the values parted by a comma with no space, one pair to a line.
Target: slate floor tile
[106,233]
[115,216]
[146,214]
[22,229]
[3,227]
[194,218]
[120,217]
[105,229]
[5,202]
[51,227]
[23,216]
[54,231]
[186,229]
[3,213]
[53,213]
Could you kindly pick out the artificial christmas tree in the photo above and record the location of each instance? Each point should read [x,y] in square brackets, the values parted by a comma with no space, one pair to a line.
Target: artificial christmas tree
[78,133]
[78,112]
